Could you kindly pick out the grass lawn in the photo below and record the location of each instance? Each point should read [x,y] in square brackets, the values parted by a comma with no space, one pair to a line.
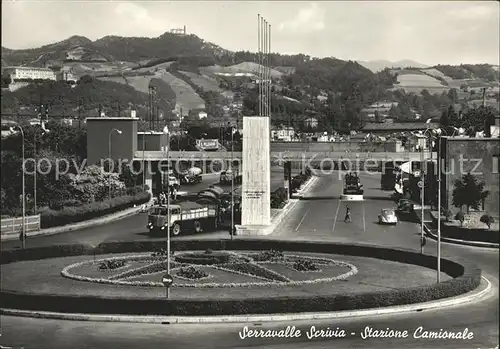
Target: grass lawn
[44,276]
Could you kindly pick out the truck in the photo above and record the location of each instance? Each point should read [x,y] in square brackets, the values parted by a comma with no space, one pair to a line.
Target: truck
[226,177]
[191,176]
[388,179]
[169,180]
[352,184]
[186,216]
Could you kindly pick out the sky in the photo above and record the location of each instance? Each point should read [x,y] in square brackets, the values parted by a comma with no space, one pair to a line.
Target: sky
[444,32]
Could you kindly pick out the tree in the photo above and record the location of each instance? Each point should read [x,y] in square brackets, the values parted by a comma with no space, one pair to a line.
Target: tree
[444,121]
[478,119]
[469,192]
[488,220]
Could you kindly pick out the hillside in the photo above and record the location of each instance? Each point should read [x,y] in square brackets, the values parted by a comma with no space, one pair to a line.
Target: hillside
[379,65]
[112,49]
[89,94]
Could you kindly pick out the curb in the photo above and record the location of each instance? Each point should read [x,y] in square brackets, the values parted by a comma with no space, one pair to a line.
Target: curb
[289,206]
[460,242]
[305,188]
[77,226]
[453,301]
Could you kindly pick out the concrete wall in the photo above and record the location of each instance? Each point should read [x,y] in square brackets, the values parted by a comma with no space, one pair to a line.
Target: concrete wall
[461,155]
[322,147]
[122,146]
[153,142]
[256,171]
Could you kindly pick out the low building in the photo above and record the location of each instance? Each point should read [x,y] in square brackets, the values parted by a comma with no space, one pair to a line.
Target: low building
[66,75]
[283,133]
[311,122]
[392,127]
[29,73]
[479,156]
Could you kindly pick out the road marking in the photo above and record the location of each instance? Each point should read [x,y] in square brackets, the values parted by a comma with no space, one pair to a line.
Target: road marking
[364,220]
[304,217]
[336,215]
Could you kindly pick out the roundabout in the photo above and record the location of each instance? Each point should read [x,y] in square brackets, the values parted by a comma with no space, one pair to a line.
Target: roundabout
[225,278]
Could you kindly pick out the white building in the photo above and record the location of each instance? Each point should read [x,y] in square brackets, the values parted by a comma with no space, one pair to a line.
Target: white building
[66,75]
[286,134]
[29,73]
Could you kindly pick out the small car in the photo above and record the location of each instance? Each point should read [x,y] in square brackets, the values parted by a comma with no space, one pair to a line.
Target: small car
[405,206]
[387,216]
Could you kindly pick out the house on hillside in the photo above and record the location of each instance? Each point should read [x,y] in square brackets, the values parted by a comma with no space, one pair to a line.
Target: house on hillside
[311,122]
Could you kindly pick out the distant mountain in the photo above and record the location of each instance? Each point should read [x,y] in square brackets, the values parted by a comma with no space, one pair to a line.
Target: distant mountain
[379,65]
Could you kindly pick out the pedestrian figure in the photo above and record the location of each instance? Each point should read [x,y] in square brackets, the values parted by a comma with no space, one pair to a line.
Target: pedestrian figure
[347,218]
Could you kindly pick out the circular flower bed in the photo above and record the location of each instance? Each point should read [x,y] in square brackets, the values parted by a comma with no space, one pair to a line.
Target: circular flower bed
[259,267]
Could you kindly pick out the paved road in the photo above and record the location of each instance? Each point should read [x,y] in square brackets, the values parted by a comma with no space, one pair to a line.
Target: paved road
[130,228]
[311,220]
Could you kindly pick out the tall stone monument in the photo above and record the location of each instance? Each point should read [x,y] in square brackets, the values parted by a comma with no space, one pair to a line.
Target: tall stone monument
[256,176]
[256,167]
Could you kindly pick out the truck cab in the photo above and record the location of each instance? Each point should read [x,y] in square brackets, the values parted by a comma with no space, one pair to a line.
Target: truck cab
[352,185]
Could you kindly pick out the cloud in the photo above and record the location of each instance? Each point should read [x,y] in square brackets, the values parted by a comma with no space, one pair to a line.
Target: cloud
[136,17]
[309,19]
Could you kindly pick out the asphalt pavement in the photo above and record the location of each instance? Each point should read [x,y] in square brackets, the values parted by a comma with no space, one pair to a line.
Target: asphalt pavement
[134,227]
[308,220]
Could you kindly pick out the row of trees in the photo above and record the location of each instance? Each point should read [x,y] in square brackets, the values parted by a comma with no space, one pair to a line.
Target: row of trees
[471,120]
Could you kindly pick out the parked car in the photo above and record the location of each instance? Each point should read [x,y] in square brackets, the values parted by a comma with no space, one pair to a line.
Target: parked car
[405,206]
[387,216]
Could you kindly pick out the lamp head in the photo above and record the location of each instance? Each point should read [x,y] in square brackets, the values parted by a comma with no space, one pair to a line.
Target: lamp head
[119,132]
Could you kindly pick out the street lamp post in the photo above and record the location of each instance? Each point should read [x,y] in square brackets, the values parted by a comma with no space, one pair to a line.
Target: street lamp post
[232,182]
[422,191]
[109,149]
[23,229]
[439,133]
[167,132]
[44,130]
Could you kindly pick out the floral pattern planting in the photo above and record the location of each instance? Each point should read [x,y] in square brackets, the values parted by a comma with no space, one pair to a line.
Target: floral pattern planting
[211,269]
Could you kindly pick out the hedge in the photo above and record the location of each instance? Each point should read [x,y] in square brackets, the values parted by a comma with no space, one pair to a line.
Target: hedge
[73,214]
[466,276]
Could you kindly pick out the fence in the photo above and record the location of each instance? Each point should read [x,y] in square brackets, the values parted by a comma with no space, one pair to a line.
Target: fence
[11,226]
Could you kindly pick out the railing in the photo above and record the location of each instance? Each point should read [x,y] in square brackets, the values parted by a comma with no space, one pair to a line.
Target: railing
[11,226]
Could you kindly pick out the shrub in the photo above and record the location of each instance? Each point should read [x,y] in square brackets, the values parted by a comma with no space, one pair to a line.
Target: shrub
[279,198]
[204,258]
[111,264]
[304,265]
[447,214]
[68,215]
[268,255]
[191,273]
[487,219]
[135,190]
[460,216]
[162,253]
[58,205]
